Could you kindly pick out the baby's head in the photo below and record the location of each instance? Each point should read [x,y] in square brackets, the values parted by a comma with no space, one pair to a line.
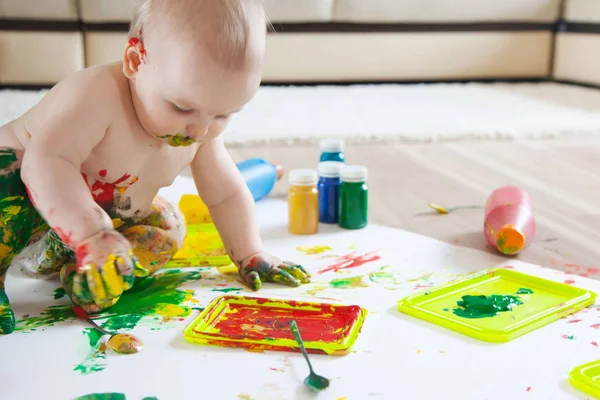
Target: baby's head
[193,63]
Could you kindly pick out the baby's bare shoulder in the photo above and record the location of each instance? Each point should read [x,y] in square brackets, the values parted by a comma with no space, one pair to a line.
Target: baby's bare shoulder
[86,97]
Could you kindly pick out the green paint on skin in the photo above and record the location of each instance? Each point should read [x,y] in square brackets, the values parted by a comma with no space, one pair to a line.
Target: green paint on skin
[227,290]
[103,396]
[524,291]
[154,299]
[485,306]
[346,283]
[178,140]
[59,293]
[7,317]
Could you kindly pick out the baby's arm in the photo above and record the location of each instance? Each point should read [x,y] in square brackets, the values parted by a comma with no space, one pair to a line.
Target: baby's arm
[231,206]
[69,122]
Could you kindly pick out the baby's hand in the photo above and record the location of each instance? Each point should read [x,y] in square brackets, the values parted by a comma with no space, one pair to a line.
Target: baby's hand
[104,270]
[262,267]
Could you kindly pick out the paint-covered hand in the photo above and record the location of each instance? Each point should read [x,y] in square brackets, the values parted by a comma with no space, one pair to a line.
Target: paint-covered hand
[104,269]
[262,267]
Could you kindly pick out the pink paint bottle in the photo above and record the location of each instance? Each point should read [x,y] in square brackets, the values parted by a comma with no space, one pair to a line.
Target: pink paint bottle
[509,225]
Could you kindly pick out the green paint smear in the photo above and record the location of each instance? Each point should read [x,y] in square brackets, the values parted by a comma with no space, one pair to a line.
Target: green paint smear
[524,291]
[103,396]
[59,293]
[227,290]
[153,299]
[382,276]
[485,306]
[345,283]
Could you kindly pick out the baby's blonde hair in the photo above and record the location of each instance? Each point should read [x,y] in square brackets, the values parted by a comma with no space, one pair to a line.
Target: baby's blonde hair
[230,18]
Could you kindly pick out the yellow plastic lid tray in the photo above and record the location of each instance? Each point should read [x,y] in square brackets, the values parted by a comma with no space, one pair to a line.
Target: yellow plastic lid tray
[586,378]
[523,303]
[259,324]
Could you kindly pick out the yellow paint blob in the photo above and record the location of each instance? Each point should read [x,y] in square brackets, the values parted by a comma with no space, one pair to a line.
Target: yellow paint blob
[172,311]
[123,343]
[313,249]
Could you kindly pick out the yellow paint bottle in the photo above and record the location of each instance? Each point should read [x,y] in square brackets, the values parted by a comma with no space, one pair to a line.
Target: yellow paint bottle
[303,202]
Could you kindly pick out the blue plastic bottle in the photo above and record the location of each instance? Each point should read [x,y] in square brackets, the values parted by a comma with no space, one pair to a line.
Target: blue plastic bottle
[332,150]
[260,176]
[328,186]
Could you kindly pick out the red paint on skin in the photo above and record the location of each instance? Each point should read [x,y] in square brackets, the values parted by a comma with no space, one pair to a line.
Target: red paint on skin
[102,173]
[64,236]
[104,192]
[350,261]
[326,323]
[595,326]
[81,252]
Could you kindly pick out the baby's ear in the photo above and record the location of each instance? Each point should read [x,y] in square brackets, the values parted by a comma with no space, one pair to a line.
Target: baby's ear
[134,56]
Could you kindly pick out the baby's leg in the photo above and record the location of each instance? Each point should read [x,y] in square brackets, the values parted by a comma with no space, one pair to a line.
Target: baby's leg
[158,237]
[18,221]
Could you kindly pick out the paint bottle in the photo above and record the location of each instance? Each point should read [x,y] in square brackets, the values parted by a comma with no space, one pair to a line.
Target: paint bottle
[509,224]
[353,197]
[260,176]
[303,202]
[328,186]
[332,150]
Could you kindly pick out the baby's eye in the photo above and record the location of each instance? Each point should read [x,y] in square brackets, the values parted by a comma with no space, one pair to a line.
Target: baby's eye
[180,109]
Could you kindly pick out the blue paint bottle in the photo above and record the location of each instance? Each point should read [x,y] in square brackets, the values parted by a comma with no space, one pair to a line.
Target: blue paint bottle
[328,186]
[260,176]
[332,150]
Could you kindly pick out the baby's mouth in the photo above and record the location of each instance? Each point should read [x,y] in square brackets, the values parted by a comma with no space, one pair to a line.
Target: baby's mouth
[178,140]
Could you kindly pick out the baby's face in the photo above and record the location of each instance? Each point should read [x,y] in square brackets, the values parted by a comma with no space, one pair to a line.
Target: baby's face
[182,96]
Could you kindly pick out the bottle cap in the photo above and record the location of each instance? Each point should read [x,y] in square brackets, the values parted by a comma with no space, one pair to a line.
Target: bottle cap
[279,169]
[354,173]
[303,177]
[332,145]
[330,169]
[509,239]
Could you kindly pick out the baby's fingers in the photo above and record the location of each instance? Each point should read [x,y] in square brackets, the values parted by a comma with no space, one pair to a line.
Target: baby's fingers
[96,285]
[125,266]
[113,281]
[281,276]
[296,271]
[252,279]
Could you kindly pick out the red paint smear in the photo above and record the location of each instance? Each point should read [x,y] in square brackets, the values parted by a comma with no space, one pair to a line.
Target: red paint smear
[349,261]
[595,344]
[324,323]
[577,267]
[569,281]
[102,173]
[595,326]
[574,321]
[528,389]
[221,284]
[64,236]
[104,192]
[509,267]
[81,252]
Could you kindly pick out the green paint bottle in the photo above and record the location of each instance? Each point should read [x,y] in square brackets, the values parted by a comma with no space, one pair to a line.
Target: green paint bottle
[353,197]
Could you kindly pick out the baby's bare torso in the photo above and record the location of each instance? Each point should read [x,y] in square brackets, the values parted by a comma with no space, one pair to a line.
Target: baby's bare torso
[127,167]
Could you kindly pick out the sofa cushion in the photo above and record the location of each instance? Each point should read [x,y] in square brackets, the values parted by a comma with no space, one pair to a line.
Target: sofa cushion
[21,52]
[96,11]
[582,11]
[63,10]
[448,11]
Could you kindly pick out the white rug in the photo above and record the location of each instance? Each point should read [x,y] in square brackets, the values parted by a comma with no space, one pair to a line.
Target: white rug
[399,112]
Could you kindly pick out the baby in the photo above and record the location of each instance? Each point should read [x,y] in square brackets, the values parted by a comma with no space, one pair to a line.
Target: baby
[80,171]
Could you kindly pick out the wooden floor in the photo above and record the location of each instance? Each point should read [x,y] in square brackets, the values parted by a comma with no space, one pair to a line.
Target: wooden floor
[562,176]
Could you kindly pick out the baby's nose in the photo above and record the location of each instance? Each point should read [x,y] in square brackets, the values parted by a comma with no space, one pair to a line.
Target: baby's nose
[197,130]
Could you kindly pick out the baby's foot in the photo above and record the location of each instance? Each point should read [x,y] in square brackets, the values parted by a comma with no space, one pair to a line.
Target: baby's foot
[7,316]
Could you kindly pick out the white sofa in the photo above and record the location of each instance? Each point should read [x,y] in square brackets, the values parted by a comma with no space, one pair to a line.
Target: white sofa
[41,41]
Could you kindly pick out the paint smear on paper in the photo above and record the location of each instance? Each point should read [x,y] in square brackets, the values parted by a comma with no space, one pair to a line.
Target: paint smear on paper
[568,337]
[485,306]
[310,250]
[348,283]
[595,326]
[153,301]
[350,261]
[595,344]
[524,291]
[59,293]
[103,396]
[227,290]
